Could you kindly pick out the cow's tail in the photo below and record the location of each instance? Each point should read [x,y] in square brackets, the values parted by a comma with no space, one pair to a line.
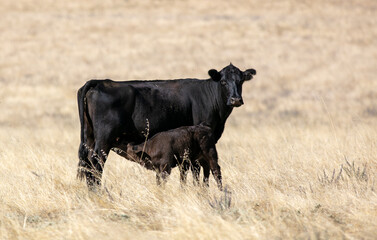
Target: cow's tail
[86,129]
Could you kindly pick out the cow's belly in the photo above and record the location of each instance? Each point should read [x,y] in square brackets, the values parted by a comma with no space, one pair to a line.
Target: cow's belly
[161,117]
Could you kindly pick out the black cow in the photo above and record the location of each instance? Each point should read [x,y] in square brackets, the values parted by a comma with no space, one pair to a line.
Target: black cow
[113,114]
[180,146]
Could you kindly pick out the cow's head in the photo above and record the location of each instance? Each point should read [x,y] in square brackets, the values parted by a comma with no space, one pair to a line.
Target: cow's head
[231,80]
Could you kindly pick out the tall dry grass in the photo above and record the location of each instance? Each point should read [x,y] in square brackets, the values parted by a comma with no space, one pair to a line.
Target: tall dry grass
[298,159]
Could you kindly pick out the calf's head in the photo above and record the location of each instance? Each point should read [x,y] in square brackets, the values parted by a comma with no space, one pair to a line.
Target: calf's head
[231,79]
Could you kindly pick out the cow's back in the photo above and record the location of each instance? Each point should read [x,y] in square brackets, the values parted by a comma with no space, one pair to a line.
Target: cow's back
[148,107]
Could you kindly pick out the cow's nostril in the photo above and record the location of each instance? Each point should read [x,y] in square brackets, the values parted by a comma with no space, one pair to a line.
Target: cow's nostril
[236,101]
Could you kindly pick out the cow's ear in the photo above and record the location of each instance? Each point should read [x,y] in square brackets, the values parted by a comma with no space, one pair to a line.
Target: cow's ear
[215,75]
[248,74]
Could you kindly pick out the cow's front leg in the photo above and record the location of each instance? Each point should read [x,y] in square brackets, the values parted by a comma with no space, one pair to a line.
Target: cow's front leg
[211,157]
[216,172]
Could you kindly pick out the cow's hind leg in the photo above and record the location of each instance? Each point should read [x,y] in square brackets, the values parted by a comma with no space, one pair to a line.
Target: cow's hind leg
[86,149]
[83,161]
[97,161]
[98,157]
[84,166]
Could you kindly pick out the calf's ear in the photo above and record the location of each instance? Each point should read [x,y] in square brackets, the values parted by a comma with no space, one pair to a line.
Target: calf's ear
[214,74]
[248,74]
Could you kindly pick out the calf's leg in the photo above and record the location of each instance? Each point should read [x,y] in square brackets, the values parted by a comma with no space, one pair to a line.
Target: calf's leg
[183,172]
[206,170]
[162,174]
[195,169]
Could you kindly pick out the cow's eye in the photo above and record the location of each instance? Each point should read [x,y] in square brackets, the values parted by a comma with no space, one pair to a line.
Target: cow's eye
[223,82]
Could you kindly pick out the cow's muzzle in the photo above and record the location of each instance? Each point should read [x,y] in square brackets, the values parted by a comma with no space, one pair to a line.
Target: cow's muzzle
[236,102]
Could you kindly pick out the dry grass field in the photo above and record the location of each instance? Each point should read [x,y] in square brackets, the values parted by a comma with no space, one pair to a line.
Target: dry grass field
[299,159]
